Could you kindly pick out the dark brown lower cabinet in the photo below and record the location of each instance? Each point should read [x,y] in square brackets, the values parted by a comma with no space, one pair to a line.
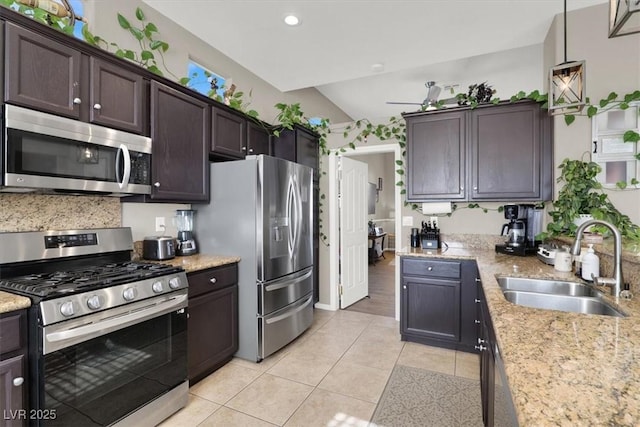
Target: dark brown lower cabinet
[13,368]
[213,320]
[497,403]
[437,302]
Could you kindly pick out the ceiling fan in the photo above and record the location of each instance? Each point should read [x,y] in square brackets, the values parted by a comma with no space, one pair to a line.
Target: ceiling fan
[431,101]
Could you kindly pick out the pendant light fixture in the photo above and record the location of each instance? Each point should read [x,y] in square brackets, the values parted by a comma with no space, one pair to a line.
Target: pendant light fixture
[624,17]
[567,82]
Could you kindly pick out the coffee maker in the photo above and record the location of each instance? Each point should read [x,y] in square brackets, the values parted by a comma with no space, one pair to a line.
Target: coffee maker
[525,223]
[186,242]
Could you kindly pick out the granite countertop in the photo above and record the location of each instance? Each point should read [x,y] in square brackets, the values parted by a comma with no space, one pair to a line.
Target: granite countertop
[564,369]
[10,302]
[200,261]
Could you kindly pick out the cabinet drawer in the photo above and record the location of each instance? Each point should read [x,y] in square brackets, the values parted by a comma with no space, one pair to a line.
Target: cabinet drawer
[430,268]
[10,333]
[212,279]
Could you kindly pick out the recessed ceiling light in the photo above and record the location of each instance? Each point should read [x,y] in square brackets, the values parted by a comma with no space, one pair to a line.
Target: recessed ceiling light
[292,20]
[377,68]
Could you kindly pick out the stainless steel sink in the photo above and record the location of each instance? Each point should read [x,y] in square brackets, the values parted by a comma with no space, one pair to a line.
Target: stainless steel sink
[556,295]
[575,304]
[544,286]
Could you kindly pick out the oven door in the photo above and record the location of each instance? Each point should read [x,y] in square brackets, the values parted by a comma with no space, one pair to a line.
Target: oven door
[116,362]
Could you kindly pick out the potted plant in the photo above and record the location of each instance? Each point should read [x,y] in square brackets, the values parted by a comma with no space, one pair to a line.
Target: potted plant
[582,195]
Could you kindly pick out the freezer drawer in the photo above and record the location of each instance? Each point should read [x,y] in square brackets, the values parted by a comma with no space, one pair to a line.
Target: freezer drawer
[279,293]
[280,328]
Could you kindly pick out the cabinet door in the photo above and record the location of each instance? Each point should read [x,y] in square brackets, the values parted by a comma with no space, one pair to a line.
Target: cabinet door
[506,152]
[180,133]
[307,151]
[228,138]
[116,97]
[436,157]
[431,308]
[258,139]
[41,73]
[212,331]
[12,390]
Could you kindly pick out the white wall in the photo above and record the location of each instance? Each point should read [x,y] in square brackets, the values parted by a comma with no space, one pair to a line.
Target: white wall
[612,65]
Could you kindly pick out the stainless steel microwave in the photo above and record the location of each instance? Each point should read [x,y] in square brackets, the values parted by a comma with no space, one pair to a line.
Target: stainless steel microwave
[45,152]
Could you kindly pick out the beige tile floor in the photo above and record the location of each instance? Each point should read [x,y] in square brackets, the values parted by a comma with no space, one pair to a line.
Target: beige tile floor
[332,375]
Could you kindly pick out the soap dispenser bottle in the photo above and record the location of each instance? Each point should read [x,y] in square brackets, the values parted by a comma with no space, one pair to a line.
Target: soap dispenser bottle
[590,264]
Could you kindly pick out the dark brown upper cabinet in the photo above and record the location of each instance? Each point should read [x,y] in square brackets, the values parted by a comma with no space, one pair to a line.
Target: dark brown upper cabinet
[228,134]
[180,133]
[298,145]
[49,76]
[491,153]
[258,139]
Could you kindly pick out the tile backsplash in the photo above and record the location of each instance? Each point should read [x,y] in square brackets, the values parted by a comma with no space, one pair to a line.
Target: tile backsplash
[35,212]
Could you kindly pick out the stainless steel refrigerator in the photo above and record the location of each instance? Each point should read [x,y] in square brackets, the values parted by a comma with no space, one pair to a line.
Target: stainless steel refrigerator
[261,209]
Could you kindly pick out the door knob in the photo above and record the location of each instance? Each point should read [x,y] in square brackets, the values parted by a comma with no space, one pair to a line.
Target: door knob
[156,184]
[97,106]
[77,101]
[18,381]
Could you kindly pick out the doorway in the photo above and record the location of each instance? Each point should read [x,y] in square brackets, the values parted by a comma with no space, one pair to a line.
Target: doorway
[385,269]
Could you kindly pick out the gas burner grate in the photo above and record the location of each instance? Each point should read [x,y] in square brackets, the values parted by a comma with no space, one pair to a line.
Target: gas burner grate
[87,278]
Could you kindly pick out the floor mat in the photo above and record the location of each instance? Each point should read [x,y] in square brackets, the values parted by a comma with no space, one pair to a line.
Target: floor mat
[417,397]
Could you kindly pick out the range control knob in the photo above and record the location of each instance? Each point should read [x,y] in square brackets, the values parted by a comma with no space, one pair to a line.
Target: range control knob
[174,283]
[94,302]
[129,294]
[66,309]
[157,287]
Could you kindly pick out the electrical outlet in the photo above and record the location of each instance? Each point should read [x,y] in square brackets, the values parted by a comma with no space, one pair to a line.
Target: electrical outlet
[160,223]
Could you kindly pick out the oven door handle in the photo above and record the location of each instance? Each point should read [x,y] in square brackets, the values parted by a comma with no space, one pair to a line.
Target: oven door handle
[61,339]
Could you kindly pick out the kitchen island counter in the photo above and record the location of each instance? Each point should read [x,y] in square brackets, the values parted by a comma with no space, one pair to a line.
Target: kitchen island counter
[10,302]
[564,369]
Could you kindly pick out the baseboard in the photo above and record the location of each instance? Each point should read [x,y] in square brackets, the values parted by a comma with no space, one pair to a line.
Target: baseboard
[325,307]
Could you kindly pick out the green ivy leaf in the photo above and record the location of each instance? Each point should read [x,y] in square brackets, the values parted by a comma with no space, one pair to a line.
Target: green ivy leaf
[136,33]
[151,27]
[399,162]
[139,14]
[621,185]
[88,37]
[123,22]
[146,55]
[400,171]
[155,70]
[612,96]
[119,53]
[592,111]
[129,54]
[185,81]
[623,106]
[631,136]
[495,101]
[569,118]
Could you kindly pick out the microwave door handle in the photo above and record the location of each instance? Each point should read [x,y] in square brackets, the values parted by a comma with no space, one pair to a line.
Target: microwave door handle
[124,151]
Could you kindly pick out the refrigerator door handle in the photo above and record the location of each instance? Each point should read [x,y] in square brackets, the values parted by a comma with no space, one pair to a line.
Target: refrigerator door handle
[288,281]
[291,216]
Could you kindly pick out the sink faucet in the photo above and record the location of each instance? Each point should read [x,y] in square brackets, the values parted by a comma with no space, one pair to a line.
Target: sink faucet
[616,282]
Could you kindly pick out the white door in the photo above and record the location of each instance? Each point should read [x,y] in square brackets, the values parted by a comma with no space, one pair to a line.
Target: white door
[354,279]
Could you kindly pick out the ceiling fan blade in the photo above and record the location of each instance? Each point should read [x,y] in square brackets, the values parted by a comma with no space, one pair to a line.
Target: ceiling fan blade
[404,103]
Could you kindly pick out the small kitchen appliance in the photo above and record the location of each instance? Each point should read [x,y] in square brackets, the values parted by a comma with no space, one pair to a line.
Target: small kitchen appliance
[158,248]
[186,242]
[525,223]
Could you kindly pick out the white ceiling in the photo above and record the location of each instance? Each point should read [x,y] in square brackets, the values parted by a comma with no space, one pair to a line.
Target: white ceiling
[338,41]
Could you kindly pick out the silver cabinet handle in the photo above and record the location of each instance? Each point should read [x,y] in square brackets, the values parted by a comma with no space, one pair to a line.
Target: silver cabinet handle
[213,280]
[18,381]
[156,184]
[461,188]
[404,287]
[477,322]
[429,268]
[97,106]
[478,280]
[480,348]
[77,101]
[244,148]
[251,150]
[477,301]
[481,341]
[475,188]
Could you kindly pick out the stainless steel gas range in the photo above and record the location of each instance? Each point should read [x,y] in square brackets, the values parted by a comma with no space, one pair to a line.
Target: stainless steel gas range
[107,336]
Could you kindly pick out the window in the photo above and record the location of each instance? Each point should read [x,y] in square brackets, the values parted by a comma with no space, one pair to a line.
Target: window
[617,158]
[204,81]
